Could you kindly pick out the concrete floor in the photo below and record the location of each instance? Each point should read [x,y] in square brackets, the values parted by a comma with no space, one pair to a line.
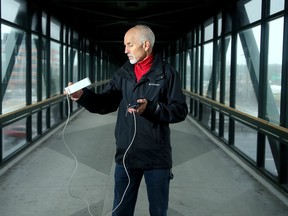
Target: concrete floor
[71,174]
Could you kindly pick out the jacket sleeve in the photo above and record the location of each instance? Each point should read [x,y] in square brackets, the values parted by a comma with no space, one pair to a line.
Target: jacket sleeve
[174,109]
[103,103]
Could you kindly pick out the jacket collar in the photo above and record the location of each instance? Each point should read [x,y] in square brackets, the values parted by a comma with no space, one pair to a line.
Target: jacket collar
[155,70]
[142,67]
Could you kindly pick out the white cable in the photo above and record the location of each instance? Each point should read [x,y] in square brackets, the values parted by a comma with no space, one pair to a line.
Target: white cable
[75,158]
[124,157]
[76,162]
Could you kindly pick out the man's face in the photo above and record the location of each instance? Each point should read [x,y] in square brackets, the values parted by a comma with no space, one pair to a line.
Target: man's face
[134,48]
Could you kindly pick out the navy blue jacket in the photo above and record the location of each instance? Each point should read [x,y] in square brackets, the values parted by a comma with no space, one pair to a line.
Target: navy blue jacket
[161,87]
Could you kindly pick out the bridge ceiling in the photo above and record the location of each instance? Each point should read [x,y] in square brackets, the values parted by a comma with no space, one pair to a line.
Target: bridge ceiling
[106,21]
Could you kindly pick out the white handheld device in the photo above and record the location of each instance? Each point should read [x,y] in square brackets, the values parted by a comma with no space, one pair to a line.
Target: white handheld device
[78,85]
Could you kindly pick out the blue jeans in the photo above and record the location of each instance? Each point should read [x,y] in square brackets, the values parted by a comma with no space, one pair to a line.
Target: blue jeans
[157,184]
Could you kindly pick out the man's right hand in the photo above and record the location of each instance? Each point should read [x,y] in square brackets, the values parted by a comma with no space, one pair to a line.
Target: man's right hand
[76,95]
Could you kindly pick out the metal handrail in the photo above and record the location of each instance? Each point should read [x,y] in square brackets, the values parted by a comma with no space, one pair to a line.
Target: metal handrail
[266,127]
[35,107]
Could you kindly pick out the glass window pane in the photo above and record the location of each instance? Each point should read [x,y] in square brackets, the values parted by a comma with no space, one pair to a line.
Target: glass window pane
[13,68]
[208,30]
[247,74]
[67,35]
[217,72]
[228,23]
[44,69]
[65,66]
[75,65]
[35,24]
[269,159]
[55,29]
[274,69]
[95,62]
[75,42]
[227,69]
[14,11]
[188,41]
[194,70]
[200,36]
[34,61]
[55,114]
[195,36]
[176,64]
[276,6]
[226,127]
[246,140]
[34,125]
[198,71]
[206,115]
[14,136]
[217,120]
[188,70]
[44,23]
[88,63]
[207,69]
[248,11]
[55,69]
[44,120]
[219,24]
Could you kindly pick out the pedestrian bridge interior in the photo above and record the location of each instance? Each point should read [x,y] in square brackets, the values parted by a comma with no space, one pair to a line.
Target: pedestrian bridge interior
[230,154]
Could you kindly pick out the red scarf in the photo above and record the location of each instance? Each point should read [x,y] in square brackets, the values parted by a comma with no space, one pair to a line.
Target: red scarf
[143,67]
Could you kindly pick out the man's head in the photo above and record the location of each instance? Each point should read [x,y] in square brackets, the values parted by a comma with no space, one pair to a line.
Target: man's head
[138,41]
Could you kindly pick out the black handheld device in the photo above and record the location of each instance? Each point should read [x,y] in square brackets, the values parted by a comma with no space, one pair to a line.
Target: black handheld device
[134,105]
